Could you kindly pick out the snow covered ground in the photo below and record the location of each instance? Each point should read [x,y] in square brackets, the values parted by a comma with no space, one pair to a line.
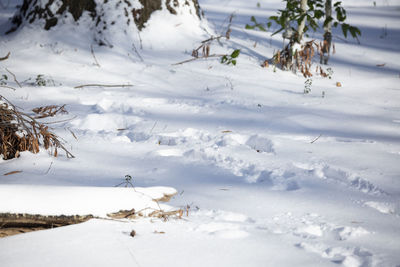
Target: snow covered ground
[239,144]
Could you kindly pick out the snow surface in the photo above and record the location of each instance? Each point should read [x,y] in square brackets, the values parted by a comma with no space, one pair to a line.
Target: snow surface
[240,145]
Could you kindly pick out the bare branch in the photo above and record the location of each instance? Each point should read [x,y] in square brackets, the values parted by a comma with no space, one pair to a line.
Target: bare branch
[6,57]
[196,58]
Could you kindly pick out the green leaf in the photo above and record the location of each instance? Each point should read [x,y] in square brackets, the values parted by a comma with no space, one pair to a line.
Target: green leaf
[337,4]
[274,18]
[345,28]
[328,20]
[234,62]
[277,31]
[318,14]
[224,59]
[248,27]
[261,28]
[235,53]
[354,31]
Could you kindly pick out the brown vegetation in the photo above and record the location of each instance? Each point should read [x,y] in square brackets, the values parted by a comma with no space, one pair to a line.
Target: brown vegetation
[20,131]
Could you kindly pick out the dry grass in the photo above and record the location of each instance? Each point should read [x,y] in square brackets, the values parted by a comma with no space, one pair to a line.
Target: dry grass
[300,60]
[20,131]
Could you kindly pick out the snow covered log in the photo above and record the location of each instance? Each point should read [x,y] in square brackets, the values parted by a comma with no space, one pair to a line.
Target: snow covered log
[104,18]
[11,224]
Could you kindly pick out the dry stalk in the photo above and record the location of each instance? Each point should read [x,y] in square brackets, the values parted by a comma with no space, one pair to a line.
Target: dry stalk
[94,56]
[203,50]
[300,60]
[49,111]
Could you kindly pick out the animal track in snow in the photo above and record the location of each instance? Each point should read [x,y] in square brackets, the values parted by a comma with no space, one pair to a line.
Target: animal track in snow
[346,232]
[356,182]
[382,207]
[260,144]
[339,176]
[223,224]
[312,226]
[347,256]
[223,230]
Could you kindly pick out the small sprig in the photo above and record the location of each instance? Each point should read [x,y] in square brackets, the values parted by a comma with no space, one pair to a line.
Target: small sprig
[230,59]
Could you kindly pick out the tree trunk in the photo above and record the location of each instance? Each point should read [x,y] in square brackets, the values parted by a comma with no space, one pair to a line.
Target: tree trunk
[105,16]
[326,47]
[300,29]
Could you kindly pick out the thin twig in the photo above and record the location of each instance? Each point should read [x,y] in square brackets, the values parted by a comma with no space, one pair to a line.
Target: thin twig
[103,85]
[137,52]
[60,121]
[94,56]
[15,78]
[312,142]
[9,87]
[49,168]
[6,57]
[153,127]
[212,38]
[196,58]
[72,133]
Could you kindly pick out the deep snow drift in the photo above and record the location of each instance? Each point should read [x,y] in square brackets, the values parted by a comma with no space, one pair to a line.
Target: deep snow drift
[271,176]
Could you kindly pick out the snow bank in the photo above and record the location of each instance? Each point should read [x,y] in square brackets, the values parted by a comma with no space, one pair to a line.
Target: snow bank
[97,201]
